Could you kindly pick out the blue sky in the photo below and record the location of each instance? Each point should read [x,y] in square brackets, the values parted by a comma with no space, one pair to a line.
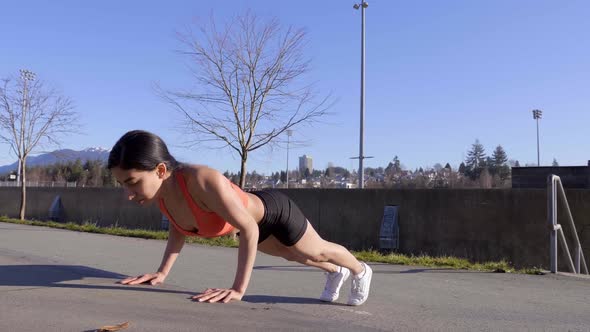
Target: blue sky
[439,74]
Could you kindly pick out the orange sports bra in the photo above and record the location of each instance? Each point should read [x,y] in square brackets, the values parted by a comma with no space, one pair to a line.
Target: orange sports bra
[209,224]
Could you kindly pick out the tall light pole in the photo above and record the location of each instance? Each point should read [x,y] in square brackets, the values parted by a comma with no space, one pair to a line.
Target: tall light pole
[289,134]
[363,5]
[26,76]
[537,115]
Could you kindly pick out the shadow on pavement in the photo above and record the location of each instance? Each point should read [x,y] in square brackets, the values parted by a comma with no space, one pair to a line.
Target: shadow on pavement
[293,268]
[435,270]
[56,275]
[29,229]
[375,266]
[282,299]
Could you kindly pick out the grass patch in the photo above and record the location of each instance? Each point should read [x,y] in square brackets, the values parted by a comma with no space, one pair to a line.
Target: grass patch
[224,241]
[441,262]
[89,227]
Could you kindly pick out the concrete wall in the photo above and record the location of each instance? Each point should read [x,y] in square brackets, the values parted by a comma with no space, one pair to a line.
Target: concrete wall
[477,224]
[104,206]
[574,177]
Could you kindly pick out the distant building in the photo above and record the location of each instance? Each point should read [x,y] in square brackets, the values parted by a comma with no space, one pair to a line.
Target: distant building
[574,177]
[305,162]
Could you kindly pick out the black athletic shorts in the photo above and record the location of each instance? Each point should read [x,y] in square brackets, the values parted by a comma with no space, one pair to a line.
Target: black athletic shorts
[282,218]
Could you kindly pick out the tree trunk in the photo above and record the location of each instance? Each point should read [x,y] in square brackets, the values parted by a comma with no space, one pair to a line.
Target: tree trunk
[23,188]
[243,170]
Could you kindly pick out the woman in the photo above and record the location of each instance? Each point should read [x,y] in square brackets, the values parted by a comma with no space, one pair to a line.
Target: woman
[200,201]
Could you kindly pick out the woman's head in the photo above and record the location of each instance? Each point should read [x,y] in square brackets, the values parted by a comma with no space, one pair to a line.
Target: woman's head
[140,150]
[141,161]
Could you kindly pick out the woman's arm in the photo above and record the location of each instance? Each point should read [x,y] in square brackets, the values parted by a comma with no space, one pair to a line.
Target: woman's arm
[173,247]
[246,256]
[219,196]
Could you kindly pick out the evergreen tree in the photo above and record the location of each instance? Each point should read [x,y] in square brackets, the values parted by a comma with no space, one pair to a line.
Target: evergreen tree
[393,167]
[499,156]
[462,168]
[499,159]
[76,171]
[397,166]
[475,161]
[108,180]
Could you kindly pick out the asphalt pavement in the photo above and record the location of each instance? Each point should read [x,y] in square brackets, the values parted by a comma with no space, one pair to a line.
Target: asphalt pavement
[58,280]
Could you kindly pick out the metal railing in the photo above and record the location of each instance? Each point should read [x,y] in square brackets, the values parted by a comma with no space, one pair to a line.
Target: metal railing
[555,189]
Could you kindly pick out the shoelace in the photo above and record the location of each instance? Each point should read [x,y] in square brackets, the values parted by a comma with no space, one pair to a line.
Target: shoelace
[357,285]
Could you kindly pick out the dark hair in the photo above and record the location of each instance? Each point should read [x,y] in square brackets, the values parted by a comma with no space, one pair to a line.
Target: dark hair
[141,150]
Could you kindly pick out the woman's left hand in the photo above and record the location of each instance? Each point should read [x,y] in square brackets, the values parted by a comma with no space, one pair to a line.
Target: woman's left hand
[223,295]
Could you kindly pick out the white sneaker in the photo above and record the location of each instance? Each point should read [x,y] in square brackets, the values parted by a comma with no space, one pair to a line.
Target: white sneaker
[359,291]
[333,283]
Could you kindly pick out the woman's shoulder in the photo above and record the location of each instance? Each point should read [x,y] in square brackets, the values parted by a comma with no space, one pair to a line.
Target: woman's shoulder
[199,175]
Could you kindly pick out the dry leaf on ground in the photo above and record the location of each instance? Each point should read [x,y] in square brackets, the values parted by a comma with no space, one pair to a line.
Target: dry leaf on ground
[112,328]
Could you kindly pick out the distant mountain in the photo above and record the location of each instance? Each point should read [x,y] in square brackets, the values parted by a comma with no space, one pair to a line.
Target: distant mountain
[64,155]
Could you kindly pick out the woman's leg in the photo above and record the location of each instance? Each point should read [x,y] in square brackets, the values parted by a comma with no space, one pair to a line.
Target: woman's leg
[319,251]
[273,247]
[287,223]
[314,248]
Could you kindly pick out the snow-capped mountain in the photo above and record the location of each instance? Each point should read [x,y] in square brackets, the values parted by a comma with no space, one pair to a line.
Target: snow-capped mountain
[65,155]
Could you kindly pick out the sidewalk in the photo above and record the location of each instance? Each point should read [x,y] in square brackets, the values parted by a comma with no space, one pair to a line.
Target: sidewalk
[55,280]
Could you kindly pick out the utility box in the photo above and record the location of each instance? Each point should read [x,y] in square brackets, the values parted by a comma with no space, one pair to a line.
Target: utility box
[165,224]
[56,209]
[389,234]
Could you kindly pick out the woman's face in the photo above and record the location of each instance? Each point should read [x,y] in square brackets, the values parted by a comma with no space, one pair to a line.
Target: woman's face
[141,186]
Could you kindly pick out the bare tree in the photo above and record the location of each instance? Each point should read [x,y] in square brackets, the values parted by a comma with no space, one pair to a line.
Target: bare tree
[249,88]
[32,115]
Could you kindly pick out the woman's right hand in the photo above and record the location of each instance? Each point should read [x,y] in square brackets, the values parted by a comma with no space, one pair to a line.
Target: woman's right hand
[151,278]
